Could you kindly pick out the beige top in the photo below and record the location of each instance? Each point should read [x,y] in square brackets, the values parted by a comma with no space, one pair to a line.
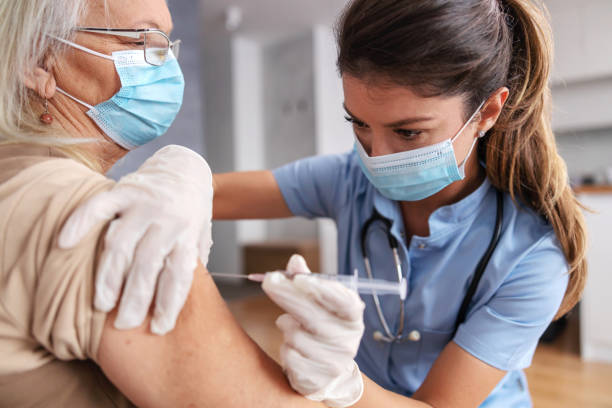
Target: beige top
[47,319]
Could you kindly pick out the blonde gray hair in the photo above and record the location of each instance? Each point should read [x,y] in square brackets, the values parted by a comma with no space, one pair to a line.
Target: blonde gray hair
[26,30]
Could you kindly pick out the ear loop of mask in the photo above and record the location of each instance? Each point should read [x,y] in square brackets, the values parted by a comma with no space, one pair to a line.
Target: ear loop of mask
[84,49]
[475,139]
[60,90]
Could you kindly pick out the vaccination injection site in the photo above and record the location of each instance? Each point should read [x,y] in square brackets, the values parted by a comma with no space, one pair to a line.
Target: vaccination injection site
[305,203]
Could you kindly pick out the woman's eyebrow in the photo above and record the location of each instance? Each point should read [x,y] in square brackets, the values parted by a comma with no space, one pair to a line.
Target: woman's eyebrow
[146,24]
[151,24]
[399,123]
[351,114]
[409,121]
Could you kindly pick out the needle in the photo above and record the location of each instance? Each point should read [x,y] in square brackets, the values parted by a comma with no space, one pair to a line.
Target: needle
[253,277]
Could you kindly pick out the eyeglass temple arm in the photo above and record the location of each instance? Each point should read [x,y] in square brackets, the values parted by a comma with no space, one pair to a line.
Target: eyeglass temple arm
[130,34]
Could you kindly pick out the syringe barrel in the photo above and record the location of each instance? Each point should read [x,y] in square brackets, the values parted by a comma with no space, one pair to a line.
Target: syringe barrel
[369,286]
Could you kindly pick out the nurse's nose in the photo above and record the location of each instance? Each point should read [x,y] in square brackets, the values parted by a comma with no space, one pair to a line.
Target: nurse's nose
[380,146]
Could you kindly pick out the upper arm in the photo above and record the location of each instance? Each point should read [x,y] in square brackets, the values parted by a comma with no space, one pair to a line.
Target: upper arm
[207,360]
[457,379]
[247,195]
[316,186]
[504,332]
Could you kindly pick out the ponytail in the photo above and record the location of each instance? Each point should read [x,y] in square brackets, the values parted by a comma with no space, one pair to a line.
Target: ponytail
[520,150]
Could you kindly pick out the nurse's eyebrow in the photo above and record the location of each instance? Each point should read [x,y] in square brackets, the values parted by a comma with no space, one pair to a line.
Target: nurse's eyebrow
[351,114]
[409,121]
[399,123]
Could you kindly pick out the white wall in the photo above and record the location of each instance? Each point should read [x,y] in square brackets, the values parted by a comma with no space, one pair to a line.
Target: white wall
[595,320]
[333,134]
[586,153]
[248,135]
[583,39]
[582,83]
[219,131]
[289,117]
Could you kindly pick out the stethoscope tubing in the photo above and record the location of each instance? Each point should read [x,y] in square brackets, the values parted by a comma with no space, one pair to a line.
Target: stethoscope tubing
[393,243]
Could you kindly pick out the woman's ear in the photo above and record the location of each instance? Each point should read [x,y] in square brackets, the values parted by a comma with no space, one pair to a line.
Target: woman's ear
[493,108]
[41,80]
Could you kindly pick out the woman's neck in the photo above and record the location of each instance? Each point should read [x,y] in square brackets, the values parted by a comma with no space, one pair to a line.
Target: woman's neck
[416,213]
[71,117]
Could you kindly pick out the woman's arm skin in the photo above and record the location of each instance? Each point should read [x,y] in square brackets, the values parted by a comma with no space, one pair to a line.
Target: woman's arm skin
[457,379]
[248,195]
[206,361]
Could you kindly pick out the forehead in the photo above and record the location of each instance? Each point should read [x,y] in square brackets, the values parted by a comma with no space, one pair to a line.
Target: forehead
[385,101]
[128,14]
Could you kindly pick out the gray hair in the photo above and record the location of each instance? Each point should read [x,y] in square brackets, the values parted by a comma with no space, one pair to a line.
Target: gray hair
[26,28]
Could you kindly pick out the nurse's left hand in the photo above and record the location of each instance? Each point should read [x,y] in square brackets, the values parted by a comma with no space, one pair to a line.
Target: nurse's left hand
[162,224]
[322,331]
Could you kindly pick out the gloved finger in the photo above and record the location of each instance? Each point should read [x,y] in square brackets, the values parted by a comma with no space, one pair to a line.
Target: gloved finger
[206,243]
[173,288]
[313,347]
[333,296]
[142,277]
[300,305]
[119,244]
[305,375]
[102,207]
[297,265]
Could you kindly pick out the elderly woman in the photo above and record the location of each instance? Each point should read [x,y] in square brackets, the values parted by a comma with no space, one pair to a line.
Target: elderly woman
[82,82]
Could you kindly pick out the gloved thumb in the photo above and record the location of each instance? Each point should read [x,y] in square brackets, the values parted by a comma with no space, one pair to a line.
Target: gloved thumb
[103,207]
[297,265]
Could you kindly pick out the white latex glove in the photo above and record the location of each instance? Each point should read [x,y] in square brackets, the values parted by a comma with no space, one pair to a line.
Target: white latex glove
[322,331]
[164,224]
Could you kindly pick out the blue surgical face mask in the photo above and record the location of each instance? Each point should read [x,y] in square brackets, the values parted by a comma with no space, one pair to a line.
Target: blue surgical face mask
[147,103]
[415,174]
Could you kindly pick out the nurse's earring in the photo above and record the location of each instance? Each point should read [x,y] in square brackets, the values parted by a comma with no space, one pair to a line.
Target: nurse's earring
[46,117]
[481,134]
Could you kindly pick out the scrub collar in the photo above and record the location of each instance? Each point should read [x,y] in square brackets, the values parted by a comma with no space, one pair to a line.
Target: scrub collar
[441,220]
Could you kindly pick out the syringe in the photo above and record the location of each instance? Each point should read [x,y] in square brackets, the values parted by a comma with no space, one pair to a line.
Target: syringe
[361,285]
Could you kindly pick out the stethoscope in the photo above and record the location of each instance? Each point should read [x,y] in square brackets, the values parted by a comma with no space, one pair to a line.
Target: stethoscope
[387,336]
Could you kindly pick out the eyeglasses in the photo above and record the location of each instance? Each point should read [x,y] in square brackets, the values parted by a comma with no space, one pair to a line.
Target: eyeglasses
[155,43]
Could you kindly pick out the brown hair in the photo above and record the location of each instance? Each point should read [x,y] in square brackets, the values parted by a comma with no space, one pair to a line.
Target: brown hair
[472,48]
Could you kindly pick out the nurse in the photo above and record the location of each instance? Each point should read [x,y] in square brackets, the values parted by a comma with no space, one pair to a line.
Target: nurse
[450,105]
[455,160]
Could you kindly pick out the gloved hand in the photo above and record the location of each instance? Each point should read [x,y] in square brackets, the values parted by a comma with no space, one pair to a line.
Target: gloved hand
[322,331]
[164,224]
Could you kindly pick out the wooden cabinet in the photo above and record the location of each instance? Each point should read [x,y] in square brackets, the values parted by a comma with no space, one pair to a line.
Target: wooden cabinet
[273,256]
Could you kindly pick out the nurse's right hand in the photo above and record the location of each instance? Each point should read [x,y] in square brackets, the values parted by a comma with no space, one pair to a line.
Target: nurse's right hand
[322,330]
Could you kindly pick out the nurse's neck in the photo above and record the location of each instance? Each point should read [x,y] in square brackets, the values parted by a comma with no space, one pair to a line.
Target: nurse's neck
[416,213]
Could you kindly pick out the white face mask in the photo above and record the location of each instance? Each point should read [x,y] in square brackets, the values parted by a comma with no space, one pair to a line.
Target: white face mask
[416,174]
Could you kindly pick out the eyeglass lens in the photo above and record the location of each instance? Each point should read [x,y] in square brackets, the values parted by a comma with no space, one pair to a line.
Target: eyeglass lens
[156,48]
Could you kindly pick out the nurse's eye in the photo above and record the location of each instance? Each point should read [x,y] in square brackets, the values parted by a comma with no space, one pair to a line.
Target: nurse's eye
[408,134]
[357,123]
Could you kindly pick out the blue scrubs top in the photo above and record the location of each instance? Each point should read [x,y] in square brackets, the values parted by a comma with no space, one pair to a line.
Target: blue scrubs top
[518,296]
